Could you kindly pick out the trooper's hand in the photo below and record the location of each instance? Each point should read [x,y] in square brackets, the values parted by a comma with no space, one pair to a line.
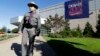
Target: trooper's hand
[38,32]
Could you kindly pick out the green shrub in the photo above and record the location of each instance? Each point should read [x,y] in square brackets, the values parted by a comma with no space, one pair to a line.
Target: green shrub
[88,31]
[54,35]
[67,33]
[15,30]
[76,33]
[98,27]
[4,37]
[51,35]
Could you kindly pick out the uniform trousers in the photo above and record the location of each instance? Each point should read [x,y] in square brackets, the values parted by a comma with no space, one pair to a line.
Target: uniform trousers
[28,34]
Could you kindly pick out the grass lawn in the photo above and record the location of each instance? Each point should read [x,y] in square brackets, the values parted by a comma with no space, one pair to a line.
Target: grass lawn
[75,46]
[4,37]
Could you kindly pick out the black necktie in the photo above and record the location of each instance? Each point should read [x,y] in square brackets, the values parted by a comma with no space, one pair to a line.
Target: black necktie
[29,20]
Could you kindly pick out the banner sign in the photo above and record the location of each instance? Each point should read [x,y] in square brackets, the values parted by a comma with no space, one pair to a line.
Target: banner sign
[75,9]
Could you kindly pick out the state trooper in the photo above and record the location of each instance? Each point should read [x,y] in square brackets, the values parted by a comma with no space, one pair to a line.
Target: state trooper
[29,28]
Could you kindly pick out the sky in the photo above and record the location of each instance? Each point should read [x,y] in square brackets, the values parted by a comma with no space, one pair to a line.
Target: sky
[12,8]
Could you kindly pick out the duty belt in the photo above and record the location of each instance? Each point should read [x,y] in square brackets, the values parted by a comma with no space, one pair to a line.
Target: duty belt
[30,26]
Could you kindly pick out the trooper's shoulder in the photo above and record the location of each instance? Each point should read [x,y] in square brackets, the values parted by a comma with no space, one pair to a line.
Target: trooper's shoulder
[36,15]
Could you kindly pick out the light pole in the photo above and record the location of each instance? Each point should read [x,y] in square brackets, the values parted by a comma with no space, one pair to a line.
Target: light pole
[96,11]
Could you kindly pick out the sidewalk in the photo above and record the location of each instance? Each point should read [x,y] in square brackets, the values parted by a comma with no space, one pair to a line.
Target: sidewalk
[42,48]
[12,47]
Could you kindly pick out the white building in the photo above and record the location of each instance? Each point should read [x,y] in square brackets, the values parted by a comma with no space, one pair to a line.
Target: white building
[94,9]
[16,20]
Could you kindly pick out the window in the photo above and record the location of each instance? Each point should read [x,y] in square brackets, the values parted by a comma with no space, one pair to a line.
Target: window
[99,10]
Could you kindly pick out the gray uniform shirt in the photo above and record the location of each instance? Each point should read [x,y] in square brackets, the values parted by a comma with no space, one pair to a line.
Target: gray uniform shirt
[35,20]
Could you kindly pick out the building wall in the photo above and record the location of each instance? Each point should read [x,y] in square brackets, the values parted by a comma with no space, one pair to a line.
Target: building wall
[59,9]
[52,10]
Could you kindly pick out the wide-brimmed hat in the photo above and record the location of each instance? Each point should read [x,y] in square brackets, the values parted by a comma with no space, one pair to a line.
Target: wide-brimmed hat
[32,4]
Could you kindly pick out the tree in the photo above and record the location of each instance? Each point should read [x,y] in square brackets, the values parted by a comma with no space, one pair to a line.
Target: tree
[88,31]
[15,30]
[66,31]
[3,29]
[48,22]
[59,25]
[98,26]
[67,27]
[55,23]
[78,28]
